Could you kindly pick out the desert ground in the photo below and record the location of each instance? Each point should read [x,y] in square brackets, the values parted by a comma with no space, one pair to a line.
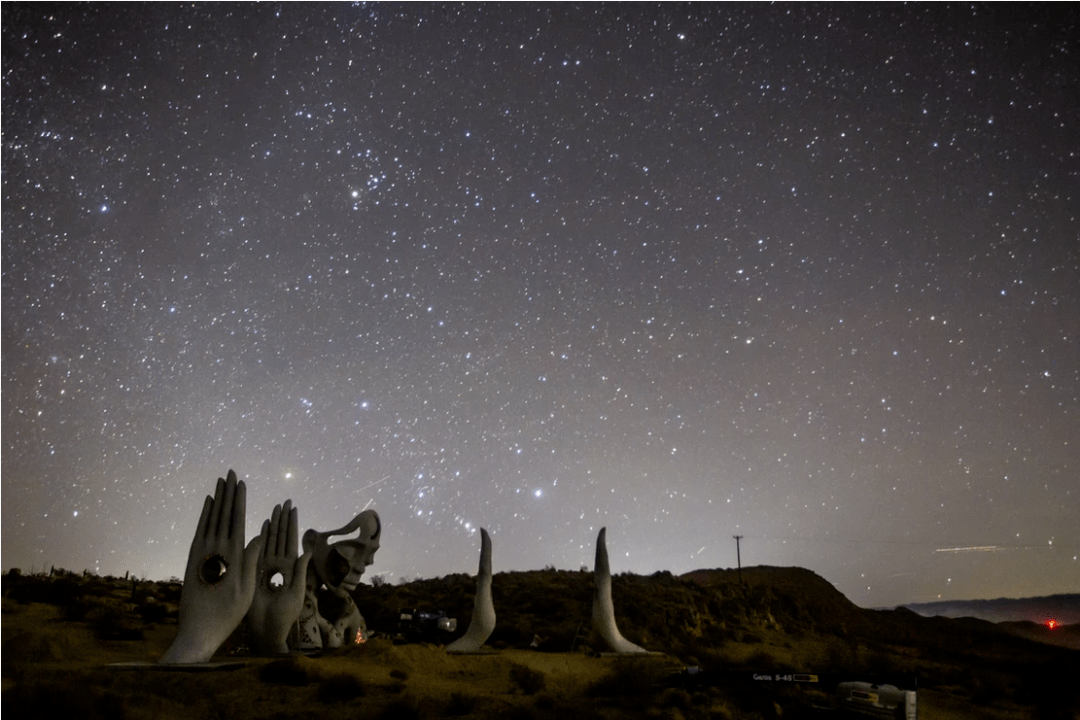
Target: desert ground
[79,646]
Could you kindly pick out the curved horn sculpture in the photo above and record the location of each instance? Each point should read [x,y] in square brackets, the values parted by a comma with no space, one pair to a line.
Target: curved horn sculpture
[483,615]
[370,516]
[603,611]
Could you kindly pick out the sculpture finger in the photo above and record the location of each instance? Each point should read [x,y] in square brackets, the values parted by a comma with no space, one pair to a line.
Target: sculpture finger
[292,531]
[299,575]
[270,542]
[249,572]
[483,617]
[215,513]
[235,510]
[603,610]
[282,547]
[264,534]
[204,523]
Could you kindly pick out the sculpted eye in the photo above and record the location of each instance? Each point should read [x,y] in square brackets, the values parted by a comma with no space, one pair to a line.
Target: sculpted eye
[213,570]
[276,581]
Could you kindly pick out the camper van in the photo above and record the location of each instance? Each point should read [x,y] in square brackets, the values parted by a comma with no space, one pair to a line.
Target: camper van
[879,701]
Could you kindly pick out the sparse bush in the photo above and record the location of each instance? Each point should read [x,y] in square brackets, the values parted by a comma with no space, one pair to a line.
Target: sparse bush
[545,702]
[842,657]
[459,704]
[986,691]
[341,688]
[294,671]
[628,678]
[111,622]
[400,709]
[522,712]
[760,661]
[528,680]
[61,701]
[38,647]
[677,698]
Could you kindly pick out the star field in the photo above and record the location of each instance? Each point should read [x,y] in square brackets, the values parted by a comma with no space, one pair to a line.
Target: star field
[805,274]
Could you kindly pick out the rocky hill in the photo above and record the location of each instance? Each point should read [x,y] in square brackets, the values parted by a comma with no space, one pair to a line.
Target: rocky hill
[1062,609]
[61,634]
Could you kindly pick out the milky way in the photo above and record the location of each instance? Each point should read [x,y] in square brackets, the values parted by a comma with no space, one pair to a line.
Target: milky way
[809,275]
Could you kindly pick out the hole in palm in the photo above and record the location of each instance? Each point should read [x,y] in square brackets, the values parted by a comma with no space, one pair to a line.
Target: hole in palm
[213,570]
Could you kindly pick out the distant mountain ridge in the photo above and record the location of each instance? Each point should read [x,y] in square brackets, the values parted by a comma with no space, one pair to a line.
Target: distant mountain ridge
[1063,609]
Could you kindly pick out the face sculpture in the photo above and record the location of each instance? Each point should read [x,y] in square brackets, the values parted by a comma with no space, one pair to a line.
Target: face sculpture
[339,565]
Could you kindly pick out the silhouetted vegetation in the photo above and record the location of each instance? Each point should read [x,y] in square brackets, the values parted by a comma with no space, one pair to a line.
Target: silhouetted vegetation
[779,620]
[529,681]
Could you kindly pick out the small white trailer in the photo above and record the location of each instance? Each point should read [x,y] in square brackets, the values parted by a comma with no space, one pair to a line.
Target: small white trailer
[880,701]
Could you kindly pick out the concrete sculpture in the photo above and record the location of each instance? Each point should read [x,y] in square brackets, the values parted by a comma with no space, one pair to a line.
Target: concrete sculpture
[603,611]
[280,582]
[337,567]
[483,615]
[219,581]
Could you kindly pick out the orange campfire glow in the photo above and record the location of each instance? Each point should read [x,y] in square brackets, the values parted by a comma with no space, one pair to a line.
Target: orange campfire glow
[1051,624]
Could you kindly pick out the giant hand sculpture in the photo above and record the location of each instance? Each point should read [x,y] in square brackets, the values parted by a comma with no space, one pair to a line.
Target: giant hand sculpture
[338,566]
[603,610]
[483,614]
[276,606]
[220,577]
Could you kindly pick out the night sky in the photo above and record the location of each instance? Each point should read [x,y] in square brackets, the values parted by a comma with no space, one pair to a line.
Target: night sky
[805,274]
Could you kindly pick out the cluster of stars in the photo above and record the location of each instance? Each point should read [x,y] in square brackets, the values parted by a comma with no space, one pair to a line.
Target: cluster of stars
[805,274]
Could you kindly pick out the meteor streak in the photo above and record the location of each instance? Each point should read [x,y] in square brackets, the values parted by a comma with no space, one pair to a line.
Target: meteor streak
[976,548]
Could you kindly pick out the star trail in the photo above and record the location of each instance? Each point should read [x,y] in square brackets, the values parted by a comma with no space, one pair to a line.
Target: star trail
[806,274]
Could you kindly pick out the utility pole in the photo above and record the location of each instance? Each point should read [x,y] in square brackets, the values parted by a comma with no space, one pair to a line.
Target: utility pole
[738,555]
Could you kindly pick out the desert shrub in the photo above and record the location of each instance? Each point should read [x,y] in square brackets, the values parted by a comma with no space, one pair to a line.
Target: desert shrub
[628,678]
[459,704]
[515,632]
[111,622]
[761,660]
[402,708]
[170,592]
[677,698]
[29,647]
[528,680]
[522,712]
[842,656]
[987,691]
[341,688]
[717,635]
[51,592]
[153,611]
[723,713]
[63,701]
[1049,687]
[544,702]
[76,608]
[1050,711]
[294,671]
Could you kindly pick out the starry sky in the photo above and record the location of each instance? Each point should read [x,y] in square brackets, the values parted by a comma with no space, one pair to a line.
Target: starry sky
[805,274]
